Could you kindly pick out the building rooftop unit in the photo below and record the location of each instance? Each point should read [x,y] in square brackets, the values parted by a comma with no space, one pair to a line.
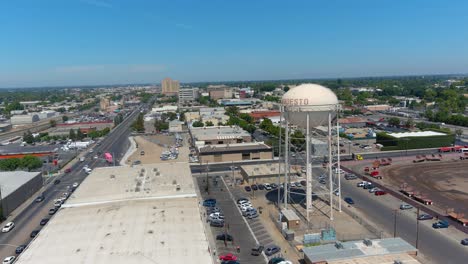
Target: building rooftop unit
[417,134]
[124,215]
[357,249]
[12,180]
[218,132]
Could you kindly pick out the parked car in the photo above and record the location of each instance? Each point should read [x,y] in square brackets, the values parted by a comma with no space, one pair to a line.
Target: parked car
[44,221]
[39,199]
[361,184]
[230,262]
[276,260]
[8,227]
[270,250]
[217,215]
[304,183]
[34,233]
[373,190]
[380,192]
[20,249]
[440,224]
[425,217]
[209,203]
[251,214]
[228,256]
[9,260]
[405,207]
[464,242]
[267,186]
[225,237]
[75,185]
[67,170]
[349,200]
[247,188]
[274,186]
[56,182]
[261,187]
[254,187]
[350,176]
[217,223]
[256,251]
[52,211]
[368,186]
[242,199]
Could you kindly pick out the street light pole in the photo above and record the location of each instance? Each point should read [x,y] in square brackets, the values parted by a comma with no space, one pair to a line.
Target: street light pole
[417,229]
[395,222]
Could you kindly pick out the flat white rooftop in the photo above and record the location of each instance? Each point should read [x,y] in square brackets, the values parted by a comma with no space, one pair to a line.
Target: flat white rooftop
[416,134]
[126,218]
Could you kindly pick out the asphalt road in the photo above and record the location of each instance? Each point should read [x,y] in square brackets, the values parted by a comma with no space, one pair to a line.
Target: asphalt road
[436,245]
[28,220]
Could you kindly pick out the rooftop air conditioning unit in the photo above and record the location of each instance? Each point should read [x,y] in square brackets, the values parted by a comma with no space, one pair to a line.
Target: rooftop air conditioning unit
[368,242]
[339,245]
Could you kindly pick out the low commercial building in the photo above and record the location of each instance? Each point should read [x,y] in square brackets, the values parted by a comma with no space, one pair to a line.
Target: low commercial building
[414,140]
[382,251]
[259,115]
[234,152]
[24,119]
[144,214]
[237,102]
[4,127]
[376,108]
[17,187]
[220,92]
[219,135]
[352,122]
[175,126]
[165,109]
[47,114]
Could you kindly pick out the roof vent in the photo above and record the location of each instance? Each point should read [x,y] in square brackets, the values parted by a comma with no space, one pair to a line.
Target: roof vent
[339,245]
[368,242]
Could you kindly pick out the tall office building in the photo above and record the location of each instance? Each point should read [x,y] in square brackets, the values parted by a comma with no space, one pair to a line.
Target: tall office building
[170,87]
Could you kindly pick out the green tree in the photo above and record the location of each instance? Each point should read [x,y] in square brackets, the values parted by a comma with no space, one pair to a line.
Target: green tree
[459,132]
[28,137]
[30,162]
[139,124]
[72,135]
[79,134]
[209,124]
[64,118]
[160,125]
[409,123]
[197,124]
[394,121]
[53,123]
[286,89]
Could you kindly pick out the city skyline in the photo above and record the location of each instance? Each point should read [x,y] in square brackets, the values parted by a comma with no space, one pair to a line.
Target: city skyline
[121,42]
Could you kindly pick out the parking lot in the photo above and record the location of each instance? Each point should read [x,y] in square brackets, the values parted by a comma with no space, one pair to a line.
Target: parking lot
[239,227]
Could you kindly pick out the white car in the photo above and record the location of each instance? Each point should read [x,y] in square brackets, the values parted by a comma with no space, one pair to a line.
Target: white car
[267,186]
[9,260]
[246,208]
[373,190]
[8,227]
[244,202]
[361,184]
[75,185]
[217,215]
[337,193]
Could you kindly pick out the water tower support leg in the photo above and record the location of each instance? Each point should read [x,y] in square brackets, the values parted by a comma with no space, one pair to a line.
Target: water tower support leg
[330,160]
[286,164]
[308,173]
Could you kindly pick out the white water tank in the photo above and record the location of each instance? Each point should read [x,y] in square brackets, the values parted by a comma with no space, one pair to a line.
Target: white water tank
[313,99]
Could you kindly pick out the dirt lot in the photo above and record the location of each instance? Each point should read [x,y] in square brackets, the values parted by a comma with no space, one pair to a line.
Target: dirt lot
[446,183]
[153,146]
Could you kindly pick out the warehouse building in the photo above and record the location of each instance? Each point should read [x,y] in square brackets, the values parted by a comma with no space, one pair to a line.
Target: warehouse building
[145,214]
[24,119]
[234,152]
[17,187]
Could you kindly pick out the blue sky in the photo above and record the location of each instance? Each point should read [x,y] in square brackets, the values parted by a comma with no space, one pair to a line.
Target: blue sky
[86,42]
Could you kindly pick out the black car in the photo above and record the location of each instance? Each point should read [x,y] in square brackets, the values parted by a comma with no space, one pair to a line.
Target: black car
[274,186]
[34,233]
[464,242]
[254,187]
[247,188]
[39,199]
[276,260]
[217,223]
[349,200]
[44,221]
[226,237]
[261,187]
[20,249]
[56,182]
[52,211]
[256,251]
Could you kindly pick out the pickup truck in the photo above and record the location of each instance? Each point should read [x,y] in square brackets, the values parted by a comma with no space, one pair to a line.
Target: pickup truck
[440,224]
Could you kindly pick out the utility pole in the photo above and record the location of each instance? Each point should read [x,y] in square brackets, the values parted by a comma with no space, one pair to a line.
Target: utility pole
[395,222]
[417,229]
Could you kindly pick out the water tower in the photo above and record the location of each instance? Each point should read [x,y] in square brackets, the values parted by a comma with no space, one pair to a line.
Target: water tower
[313,109]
